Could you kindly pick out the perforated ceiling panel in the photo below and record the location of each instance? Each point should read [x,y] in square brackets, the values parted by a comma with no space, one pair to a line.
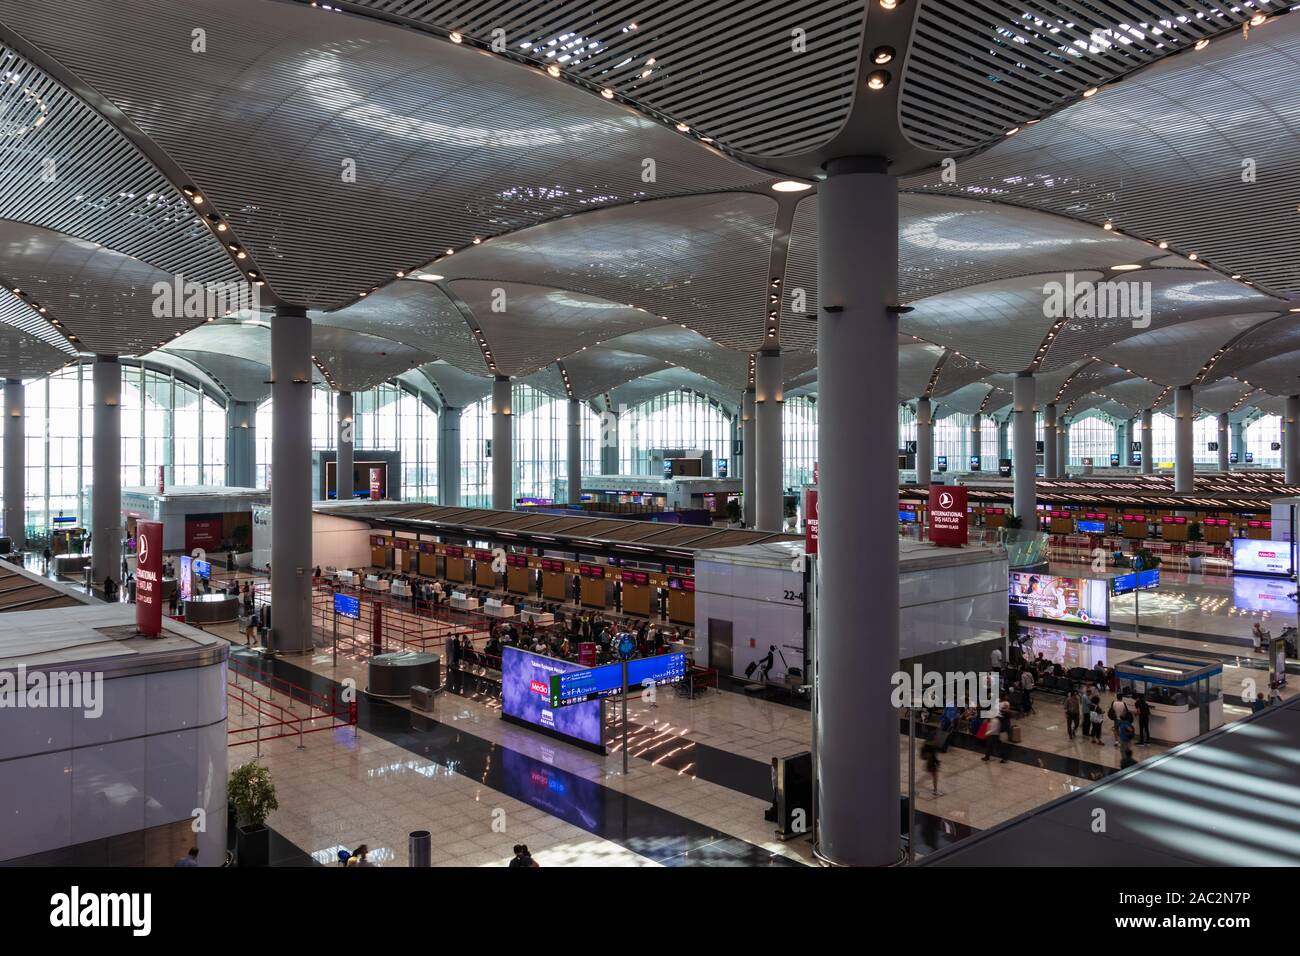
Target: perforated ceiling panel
[675,345]
[1134,394]
[344,149]
[1175,354]
[701,260]
[1092,377]
[947,243]
[956,373]
[1194,151]
[18,313]
[978,68]
[916,362]
[732,74]
[648,386]
[101,296]
[1223,396]
[459,389]
[69,170]
[598,370]
[416,314]
[969,398]
[1268,341]
[528,327]
[244,380]
[1168,297]
[357,361]
[548,381]
[24,356]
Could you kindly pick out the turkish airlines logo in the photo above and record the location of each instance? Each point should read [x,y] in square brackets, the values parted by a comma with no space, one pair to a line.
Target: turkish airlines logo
[945,500]
[143,553]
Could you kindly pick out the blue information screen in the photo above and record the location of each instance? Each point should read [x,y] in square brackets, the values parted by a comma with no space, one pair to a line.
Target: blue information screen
[578,687]
[202,568]
[347,605]
[1137,581]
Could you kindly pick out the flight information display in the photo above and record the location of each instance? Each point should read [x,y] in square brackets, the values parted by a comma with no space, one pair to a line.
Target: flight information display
[1137,581]
[578,687]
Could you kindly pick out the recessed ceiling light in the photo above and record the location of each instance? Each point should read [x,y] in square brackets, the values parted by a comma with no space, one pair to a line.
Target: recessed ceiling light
[790,186]
[429,277]
[455,38]
[889,4]
[1257,19]
[882,55]
[1193,256]
[1013,131]
[878,80]
[1108,226]
[1090,91]
[553,69]
[1202,43]
[1126,267]
[607,93]
[683,128]
[1162,244]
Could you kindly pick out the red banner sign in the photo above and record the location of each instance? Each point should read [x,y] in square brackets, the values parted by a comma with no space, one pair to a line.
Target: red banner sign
[376,484]
[948,515]
[810,521]
[148,577]
[203,533]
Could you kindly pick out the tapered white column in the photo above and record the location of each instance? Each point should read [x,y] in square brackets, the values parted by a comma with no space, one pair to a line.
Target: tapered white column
[749,445]
[769,399]
[1148,452]
[1224,440]
[449,456]
[1024,457]
[291,484]
[610,426]
[924,441]
[574,449]
[502,445]
[857,351]
[15,461]
[241,444]
[1239,441]
[1184,419]
[343,466]
[1052,466]
[976,438]
[106,474]
[1063,448]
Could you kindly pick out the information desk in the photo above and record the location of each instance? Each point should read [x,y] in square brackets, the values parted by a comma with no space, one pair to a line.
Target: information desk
[393,675]
[70,565]
[1185,693]
[211,608]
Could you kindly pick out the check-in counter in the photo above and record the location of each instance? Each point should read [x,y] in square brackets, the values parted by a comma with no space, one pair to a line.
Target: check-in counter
[428,564]
[495,608]
[681,601]
[555,580]
[381,557]
[540,618]
[401,589]
[519,576]
[461,602]
[374,583]
[597,590]
[70,565]
[484,576]
[348,578]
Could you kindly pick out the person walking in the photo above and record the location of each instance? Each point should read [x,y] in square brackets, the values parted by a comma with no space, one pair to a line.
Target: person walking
[993,739]
[189,859]
[522,857]
[1027,685]
[995,660]
[46,555]
[1144,719]
[930,754]
[1072,712]
[1118,712]
[1095,718]
[1126,735]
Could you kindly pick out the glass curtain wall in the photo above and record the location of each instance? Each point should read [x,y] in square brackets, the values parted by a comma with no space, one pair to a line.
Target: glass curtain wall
[678,419]
[166,421]
[388,417]
[540,447]
[1260,436]
[1092,437]
[799,445]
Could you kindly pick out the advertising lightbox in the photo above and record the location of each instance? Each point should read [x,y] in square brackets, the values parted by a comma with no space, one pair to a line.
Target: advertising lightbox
[1252,556]
[1046,597]
[526,699]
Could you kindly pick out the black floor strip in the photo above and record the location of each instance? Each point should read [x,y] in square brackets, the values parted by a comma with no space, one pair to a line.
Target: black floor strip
[650,831]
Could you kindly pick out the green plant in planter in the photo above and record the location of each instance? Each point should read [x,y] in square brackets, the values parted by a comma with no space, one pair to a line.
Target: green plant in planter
[1194,532]
[1015,521]
[1149,560]
[733,511]
[240,537]
[252,794]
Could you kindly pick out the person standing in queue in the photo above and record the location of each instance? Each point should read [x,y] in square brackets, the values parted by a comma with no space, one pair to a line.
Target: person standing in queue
[1144,719]
[1071,712]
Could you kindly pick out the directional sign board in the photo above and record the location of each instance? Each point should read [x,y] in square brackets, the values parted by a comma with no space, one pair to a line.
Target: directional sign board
[347,605]
[1138,580]
[578,687]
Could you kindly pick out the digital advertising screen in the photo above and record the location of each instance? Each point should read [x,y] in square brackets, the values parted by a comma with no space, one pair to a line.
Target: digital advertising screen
[1092,527]
[183,574]
[1263,594]
[1046,597]
[1082,650]
[202,569]
[1252,556]
[526,698]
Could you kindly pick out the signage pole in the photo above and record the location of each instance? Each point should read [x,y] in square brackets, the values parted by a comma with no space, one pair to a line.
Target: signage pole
[625,718]
[1137,590]
[336,635]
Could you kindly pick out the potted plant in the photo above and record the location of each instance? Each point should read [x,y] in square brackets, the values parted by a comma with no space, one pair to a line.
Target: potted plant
[733,512]
[1194,557]
[252,794]
[240,540]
